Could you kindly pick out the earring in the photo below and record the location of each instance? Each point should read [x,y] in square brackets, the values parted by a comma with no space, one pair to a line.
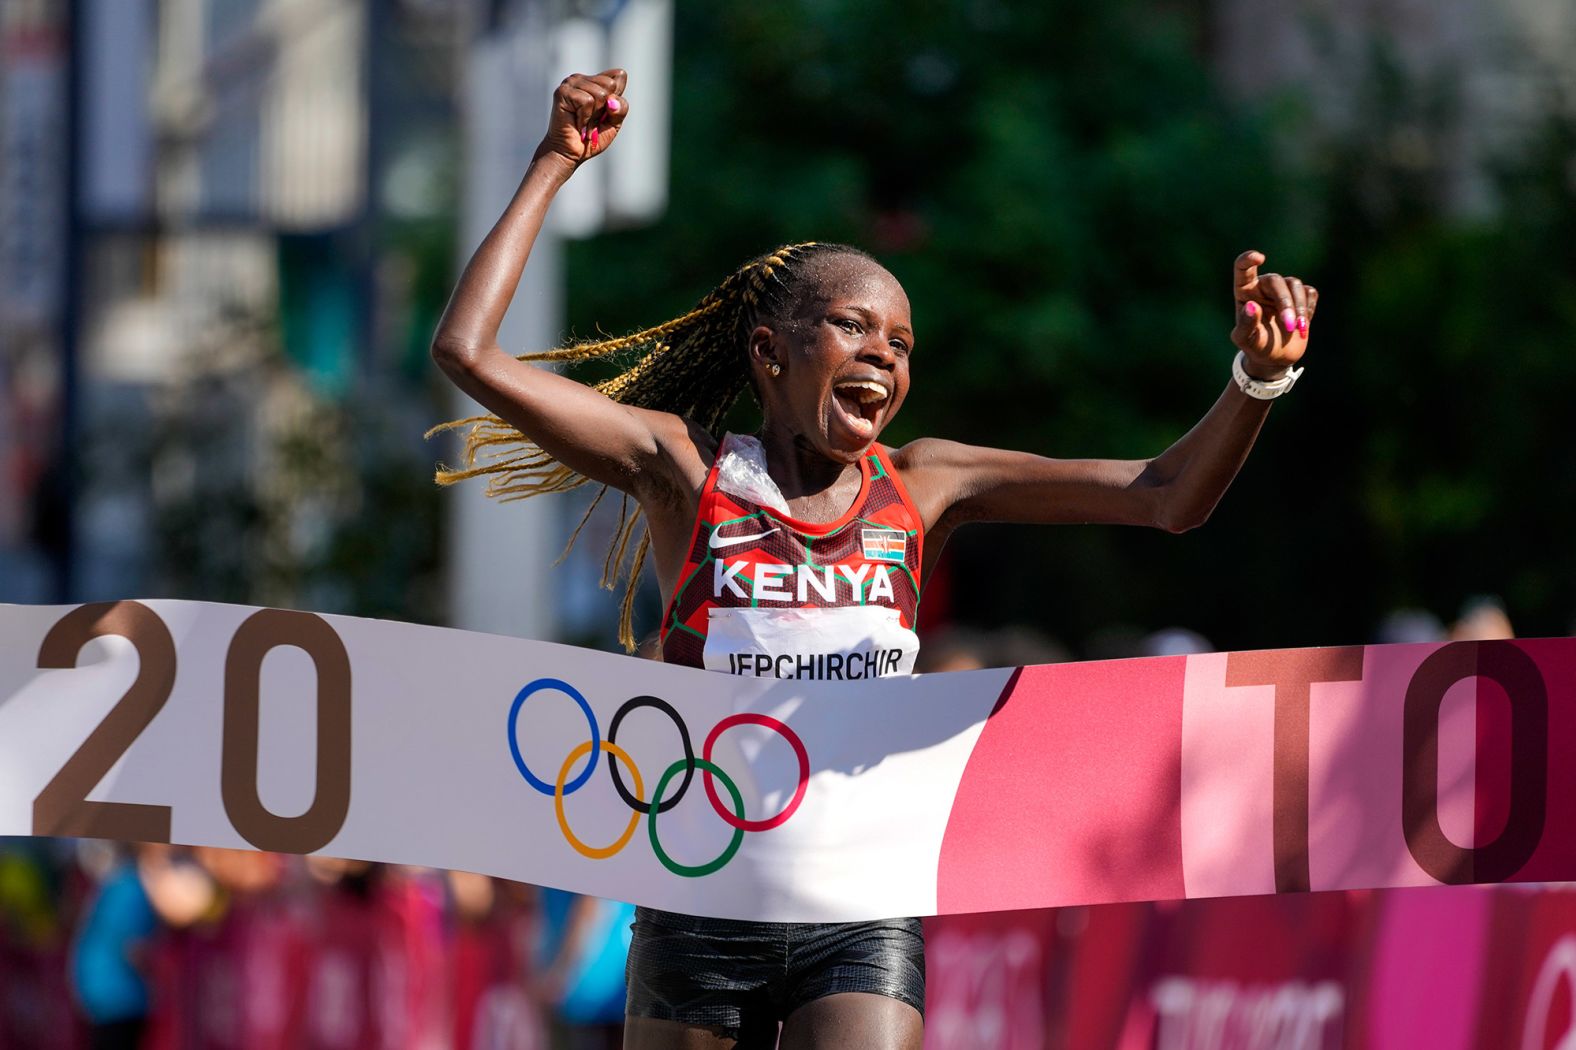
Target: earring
[777,369]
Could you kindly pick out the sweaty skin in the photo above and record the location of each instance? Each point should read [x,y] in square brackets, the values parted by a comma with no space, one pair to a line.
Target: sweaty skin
[853,336]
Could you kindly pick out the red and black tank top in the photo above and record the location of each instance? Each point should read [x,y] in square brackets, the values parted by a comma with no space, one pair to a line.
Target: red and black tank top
[767,595]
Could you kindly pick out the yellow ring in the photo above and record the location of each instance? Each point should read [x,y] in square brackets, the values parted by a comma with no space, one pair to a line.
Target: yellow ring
[603,852]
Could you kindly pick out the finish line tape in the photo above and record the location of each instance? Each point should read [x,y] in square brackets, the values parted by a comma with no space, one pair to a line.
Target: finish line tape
[790,801]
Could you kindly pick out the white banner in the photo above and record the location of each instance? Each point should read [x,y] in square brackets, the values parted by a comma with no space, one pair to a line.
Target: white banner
[781,800]
[221,725]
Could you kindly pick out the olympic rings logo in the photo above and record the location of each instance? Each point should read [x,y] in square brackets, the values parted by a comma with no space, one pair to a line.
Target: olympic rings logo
[563,786]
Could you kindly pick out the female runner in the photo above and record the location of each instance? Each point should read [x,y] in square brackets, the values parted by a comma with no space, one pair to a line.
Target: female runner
[799,551]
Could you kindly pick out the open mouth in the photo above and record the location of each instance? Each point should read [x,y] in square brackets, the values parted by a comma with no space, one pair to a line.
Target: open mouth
[860,403]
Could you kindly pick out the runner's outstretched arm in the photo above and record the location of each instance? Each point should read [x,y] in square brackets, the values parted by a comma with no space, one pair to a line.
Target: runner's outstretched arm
[1176,490]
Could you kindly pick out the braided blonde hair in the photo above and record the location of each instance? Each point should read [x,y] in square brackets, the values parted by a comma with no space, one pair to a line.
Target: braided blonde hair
[694,366]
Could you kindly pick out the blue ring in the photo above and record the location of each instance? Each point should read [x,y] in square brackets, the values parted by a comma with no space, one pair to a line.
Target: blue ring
[514,745]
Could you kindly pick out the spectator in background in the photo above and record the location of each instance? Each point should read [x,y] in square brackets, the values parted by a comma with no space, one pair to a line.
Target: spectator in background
[969,649]
[584,942]
[41,897]
[31,892]
[1018,646]
[1402,626]
[109,960]
[180,888]
[1118,641]
[1482,619]
[489,1004]
[1174,641]
[952,649]
[241,872]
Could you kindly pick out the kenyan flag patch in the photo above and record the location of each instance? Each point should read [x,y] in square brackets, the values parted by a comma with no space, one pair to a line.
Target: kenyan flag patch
[885,544]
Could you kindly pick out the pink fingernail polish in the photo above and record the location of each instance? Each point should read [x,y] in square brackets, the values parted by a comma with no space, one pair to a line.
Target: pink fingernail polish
[1289,320]
[1302,326]
[613,105]
[593,138]
[1251,309]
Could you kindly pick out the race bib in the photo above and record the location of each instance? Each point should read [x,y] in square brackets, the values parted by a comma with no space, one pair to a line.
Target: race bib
[844,644]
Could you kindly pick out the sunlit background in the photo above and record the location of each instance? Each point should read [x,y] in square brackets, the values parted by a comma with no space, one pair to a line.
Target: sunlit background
[227,228]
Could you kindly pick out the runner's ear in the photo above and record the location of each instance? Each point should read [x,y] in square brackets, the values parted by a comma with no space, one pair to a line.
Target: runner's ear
[763,350]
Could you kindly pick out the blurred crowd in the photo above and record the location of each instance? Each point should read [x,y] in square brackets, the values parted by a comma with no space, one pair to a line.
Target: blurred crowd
[169,948]
[110,945]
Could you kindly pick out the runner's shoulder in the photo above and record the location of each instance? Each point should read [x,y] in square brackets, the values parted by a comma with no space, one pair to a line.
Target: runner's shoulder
[934,471]
[927,454]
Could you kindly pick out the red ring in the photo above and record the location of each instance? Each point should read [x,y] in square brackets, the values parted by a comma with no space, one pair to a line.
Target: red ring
[751,718]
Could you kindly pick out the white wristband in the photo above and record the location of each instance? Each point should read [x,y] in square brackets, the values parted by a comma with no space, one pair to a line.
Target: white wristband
[1264,390]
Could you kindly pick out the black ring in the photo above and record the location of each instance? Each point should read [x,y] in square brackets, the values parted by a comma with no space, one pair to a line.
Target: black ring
[689,754]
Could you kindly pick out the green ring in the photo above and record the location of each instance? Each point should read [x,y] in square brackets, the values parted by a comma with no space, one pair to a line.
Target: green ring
[696,871]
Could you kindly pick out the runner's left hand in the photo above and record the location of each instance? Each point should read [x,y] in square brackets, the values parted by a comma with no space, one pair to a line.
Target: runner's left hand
[1273,313]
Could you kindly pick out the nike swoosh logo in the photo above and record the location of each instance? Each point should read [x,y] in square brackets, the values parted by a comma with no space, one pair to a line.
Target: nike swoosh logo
[718,542]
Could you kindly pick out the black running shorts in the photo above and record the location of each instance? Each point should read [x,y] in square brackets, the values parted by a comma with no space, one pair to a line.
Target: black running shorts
[743,976]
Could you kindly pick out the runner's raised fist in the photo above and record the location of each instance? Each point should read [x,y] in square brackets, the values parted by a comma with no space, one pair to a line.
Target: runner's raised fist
[586,115]
[1273,314]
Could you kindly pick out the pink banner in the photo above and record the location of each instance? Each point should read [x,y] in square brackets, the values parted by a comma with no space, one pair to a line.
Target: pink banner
[1234,774]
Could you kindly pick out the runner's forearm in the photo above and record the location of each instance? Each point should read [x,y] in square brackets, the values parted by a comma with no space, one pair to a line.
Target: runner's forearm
[469,327]
[1195,472]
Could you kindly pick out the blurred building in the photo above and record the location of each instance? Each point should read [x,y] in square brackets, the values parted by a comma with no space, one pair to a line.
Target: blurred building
[33,52]
[229,229]
[263,192]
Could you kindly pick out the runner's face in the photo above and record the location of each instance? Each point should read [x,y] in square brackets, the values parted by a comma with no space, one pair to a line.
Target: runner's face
[844,359]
